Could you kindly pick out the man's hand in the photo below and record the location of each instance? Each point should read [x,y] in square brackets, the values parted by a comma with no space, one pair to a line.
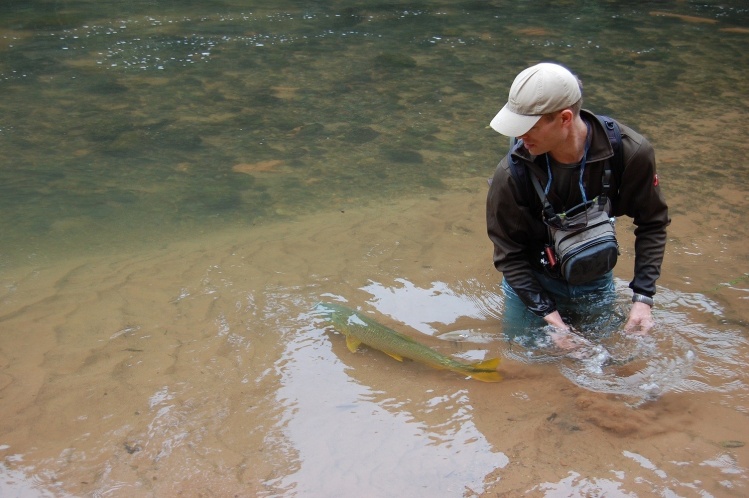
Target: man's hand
[640,319]
[562,336]
[555,320]
[568,340]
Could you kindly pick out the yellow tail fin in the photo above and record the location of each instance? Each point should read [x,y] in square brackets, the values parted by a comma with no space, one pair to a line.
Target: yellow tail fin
[486,371]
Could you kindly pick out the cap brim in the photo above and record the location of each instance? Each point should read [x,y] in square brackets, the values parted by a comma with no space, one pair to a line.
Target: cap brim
[510,124]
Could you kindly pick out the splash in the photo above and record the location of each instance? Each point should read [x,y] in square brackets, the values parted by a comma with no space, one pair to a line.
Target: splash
[640,367]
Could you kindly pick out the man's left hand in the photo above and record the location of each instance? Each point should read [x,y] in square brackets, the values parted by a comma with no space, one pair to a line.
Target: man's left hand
[640,319]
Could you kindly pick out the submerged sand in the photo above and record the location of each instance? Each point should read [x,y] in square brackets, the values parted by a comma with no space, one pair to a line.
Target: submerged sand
[196,369]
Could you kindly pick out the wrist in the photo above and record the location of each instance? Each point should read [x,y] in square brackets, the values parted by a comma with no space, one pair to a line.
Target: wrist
[641,298]
[555,319]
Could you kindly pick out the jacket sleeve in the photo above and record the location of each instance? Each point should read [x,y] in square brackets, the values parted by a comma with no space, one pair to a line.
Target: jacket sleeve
[510,227]
[640,197]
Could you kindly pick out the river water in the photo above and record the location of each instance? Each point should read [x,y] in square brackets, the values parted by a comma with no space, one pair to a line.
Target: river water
[183,181]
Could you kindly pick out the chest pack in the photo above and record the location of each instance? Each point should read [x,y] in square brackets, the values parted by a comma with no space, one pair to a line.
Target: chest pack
[582,242]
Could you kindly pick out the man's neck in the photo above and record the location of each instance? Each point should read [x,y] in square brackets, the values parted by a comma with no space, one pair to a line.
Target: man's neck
[571,150]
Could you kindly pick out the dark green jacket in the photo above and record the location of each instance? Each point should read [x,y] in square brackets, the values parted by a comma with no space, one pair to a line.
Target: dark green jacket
[515,226]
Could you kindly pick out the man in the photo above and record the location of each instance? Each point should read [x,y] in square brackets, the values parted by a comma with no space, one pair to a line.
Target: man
[557,140]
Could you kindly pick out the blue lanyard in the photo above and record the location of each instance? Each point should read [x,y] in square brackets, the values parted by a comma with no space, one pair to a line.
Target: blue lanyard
[582,167]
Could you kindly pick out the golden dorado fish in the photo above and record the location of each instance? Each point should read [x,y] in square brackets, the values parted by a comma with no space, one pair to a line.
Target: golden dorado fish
[359,329]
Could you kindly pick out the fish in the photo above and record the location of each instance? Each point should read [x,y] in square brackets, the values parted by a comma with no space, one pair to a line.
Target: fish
[359,329]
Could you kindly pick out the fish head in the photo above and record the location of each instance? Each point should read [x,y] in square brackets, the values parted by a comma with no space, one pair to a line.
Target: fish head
[335,314]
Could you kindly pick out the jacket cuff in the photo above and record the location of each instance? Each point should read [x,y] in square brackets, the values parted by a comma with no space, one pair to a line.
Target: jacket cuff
[641,291]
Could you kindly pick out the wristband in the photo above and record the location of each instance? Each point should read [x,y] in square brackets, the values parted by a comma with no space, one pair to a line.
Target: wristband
[639,298]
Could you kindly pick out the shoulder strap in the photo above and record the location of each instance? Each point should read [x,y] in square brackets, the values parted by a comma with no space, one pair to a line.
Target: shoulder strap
[549,213]
[517,170]
[615,137]
[520,173]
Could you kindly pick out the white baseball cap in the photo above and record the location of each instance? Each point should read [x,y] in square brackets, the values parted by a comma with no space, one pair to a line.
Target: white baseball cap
[536,91]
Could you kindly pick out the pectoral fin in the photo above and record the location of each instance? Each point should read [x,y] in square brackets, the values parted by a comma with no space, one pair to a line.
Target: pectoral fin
[393,355]
[353,343]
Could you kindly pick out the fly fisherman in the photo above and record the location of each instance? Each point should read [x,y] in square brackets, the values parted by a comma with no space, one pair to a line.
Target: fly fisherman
[551,197]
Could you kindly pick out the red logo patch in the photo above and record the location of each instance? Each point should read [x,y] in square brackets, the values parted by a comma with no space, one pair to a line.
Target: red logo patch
[655,180]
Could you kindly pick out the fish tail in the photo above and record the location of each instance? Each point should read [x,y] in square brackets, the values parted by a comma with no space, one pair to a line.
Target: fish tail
[486,370]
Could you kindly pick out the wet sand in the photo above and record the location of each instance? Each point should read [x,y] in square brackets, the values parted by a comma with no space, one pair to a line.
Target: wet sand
[196,369]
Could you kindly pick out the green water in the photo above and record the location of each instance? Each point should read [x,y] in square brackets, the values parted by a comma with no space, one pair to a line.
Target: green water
[142,122]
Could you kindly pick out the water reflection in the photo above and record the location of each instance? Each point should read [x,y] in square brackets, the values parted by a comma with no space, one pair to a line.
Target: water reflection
[16,483]
[649,473]
[349,433]
[430,309]
[576,485]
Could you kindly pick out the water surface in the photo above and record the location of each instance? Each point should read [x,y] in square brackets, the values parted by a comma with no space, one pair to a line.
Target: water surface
[183,181]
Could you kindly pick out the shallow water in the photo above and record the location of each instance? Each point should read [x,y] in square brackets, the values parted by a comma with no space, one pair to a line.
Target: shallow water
[183,182]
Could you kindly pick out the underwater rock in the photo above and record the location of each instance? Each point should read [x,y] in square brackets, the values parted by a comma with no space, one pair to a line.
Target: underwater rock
[270,165]
[308,130]
[403,156]
[735,29]
[685,18]
[361,135]
[394,61]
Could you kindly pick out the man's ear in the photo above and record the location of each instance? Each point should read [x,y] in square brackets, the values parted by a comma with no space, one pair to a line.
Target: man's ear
[567,116]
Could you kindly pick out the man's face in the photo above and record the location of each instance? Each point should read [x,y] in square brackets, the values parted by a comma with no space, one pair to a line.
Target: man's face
[544,136]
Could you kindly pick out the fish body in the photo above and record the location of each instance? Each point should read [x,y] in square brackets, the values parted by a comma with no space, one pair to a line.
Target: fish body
[360,329]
